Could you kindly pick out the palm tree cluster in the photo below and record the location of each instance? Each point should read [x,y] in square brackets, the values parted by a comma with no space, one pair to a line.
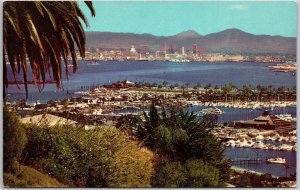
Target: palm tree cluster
[42,32]
[179,136]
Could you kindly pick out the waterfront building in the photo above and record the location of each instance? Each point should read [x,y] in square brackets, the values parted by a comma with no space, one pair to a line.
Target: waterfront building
[181,50]
[144,51]
[195,50]
[171,49]
[164,47]
[160,55]
[133,52]
[266,121]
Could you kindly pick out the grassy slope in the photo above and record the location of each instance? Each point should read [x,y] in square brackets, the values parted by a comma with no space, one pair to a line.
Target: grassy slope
[29,177]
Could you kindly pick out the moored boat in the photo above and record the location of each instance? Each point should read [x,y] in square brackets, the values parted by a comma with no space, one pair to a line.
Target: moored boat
[213,111]
[277,160]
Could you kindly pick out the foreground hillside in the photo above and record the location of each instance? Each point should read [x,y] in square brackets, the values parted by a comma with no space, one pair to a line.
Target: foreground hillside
[29,177]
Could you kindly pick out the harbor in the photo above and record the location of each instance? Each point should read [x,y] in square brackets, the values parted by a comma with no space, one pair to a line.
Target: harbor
[99,102]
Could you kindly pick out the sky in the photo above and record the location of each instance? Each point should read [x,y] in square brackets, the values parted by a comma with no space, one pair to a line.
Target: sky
[170,18]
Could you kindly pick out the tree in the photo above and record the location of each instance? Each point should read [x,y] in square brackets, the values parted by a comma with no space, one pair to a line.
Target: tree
[187,84]
[14,140]
[102,157]
[44,32]
[176,85]
[197,86]
[192,173]
[154,84]
[178,136]
[207,86]
[170,175]
[165,83]
[172,87]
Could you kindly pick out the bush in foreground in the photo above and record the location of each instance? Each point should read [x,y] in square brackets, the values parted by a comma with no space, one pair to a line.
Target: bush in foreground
[192,173]
[103,157]
[14,140]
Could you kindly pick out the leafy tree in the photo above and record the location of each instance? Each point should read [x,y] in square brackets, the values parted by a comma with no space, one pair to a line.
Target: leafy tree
[103,157]
[172,87]
[200,174]
[192,173]
[170,175]
[44,32]
[14,140]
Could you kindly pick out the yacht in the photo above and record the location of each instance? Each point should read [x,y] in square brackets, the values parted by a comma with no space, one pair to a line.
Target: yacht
[213,111]
[285,117]
[277,160]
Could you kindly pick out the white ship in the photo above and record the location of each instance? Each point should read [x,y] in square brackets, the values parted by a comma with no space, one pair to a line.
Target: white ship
[213,111]
[277,160]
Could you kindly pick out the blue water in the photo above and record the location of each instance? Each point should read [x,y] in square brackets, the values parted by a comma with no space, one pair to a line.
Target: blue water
[277,170]
[156,71]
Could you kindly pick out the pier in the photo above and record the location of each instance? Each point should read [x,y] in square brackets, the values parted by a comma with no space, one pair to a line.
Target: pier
[241,161]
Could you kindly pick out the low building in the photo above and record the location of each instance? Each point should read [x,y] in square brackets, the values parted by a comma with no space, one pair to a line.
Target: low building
[269,122]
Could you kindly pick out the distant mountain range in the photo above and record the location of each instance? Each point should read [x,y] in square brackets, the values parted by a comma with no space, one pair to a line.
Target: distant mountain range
[227,41]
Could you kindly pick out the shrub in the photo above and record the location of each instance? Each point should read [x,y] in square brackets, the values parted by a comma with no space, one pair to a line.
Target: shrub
[193,173]
[170,175]
[200,174]
[103,157]
[14,140]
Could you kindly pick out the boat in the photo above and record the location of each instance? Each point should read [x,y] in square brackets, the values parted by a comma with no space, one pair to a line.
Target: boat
[213,111]
[277,160]
[285,117]
[80,92]
[94,62]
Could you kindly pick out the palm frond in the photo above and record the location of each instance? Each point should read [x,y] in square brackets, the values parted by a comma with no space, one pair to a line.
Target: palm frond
[45,32]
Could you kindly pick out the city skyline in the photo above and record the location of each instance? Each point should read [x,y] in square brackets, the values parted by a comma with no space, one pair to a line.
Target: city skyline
[170,18]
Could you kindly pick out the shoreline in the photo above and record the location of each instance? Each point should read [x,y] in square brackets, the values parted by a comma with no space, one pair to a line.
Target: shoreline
[241,170]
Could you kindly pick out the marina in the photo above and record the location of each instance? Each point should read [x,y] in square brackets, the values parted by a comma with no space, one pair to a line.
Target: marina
[103,101]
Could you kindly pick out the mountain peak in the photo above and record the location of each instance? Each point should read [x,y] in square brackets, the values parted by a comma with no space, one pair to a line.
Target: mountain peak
[188,34]
[234,31]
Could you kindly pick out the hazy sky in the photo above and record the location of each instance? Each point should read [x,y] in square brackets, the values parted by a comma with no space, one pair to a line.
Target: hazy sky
[169,18]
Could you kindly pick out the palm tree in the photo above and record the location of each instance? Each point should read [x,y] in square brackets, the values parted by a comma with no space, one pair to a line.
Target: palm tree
[187,84]
[172,87]
[45,33]
[196,87]
[165,83]
[176,85]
